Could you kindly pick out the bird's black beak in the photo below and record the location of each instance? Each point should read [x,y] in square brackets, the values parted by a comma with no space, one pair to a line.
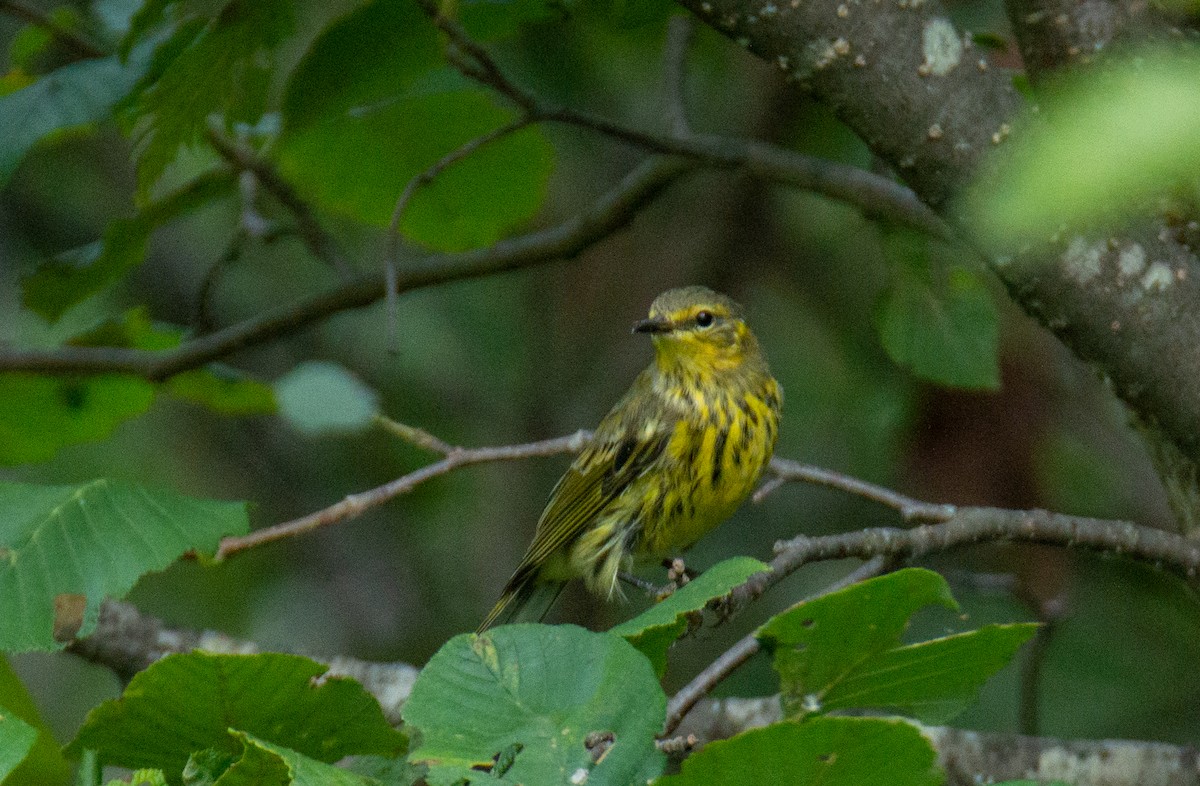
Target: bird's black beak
[653,325]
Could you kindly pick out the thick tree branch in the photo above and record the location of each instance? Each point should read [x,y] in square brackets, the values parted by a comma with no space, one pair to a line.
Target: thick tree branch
[925,101]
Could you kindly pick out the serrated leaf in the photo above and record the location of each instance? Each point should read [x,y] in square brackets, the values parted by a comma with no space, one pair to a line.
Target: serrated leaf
[66,548]
[39,415]
[224,68]
[358,164]
[655,629]
[942,325]
[825,751]
[76,275]
[324,398]
[68,97]
[261,763]
[843,651]
[16,741]
[547,689]
[186,703]
[386,45]
[44,764]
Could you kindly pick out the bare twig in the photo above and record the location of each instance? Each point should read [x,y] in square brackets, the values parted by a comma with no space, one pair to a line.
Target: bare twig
[320,243]
[357,504]
[679,38]
[392,246]
[77,44]
[606,215]
[745,648]
[416,436]
[908,508]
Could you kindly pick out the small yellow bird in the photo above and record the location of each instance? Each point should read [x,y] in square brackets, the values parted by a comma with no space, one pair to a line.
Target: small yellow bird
[673,459]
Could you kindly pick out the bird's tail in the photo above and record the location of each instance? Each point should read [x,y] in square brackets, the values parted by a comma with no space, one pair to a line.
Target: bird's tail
[516,598]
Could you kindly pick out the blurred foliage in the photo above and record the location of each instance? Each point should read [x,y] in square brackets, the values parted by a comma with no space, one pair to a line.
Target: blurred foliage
[120,228]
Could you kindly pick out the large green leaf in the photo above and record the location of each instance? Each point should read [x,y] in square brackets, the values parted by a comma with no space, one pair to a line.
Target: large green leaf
[223,67]
[543,693]
[358,164]
[825,751]
[63,549]
[386,45]
[39,415]
[940,323]
[655,629]
[264,763]
[187,703]
[76,275]
[71,96]
[843,651]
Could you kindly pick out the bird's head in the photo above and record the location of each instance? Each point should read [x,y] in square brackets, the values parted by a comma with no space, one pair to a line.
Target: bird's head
[698,328]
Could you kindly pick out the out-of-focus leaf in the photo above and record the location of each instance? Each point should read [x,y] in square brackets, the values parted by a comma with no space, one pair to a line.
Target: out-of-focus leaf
[825,751]
[44,764]
[358,164]
[1105,142]
[320,398]
[843,651]
[71,96]
[223,391]
[489,20]
[386,45]
[940,324]
[16,741]
[224,68]
[538,695]
[76,275]
[39,415]
[66,548]
[187,703]
[655,629]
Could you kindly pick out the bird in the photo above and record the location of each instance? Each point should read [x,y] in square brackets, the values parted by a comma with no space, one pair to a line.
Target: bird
[675,457]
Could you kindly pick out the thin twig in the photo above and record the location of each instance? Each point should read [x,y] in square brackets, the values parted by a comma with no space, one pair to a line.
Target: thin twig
[745,648]
[357,504]
[679,38]
[909,509]
[416,436]
[608,213]
[392,246]
[320,243]
[79,46]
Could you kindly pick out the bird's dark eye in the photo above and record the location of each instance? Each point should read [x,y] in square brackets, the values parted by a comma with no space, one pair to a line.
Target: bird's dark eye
[704,319]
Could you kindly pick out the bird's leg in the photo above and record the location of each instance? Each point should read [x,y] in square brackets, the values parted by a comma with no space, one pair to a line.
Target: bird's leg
[648,587]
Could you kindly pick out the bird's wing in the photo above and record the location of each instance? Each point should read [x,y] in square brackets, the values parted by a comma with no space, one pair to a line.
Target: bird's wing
[625,446]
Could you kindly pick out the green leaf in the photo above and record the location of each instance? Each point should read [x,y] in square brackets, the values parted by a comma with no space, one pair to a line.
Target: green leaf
[1106,142]
[843,651]
[386,45]
[490,20]
[39,415]
[66,548]
[944,328]
[358,164]
[223,390]
[655,629]
[186,703]
[16,741]
[224,68]
[264,763]
[548,690]
[71,96]
[141,778]
[72,277]
[323,398]
[825,751]
[44,764]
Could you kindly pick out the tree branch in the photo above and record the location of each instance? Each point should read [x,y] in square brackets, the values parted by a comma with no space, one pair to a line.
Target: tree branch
[77,44]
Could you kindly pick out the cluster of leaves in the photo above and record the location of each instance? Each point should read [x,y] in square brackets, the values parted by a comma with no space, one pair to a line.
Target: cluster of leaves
[542,704]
